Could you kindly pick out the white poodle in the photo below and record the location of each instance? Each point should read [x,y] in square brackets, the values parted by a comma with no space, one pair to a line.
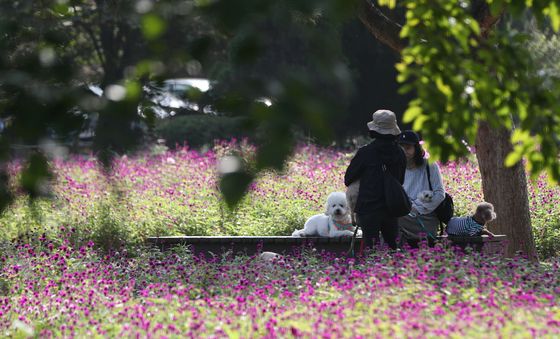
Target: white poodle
[425,196]
[335,222]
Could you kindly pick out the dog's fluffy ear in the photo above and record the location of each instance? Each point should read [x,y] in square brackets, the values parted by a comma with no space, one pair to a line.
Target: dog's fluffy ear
[328,203]
[492,215]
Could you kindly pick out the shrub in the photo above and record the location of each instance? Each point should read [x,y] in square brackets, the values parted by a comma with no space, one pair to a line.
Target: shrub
[546,239]
[199,130]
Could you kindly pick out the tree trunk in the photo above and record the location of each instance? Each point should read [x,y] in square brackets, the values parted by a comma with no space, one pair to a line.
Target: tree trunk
[506,189]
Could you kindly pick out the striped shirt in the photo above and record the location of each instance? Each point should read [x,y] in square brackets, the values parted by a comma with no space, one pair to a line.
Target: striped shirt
[464,226]
[416,181]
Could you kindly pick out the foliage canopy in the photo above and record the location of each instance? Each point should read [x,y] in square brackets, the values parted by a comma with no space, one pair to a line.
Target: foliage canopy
[462,74]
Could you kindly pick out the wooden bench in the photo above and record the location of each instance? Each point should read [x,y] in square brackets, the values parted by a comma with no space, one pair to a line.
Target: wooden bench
[287,244]
[485,244]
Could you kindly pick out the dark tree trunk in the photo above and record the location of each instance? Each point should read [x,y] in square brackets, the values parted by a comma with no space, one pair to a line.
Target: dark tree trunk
[506,189]
[112,70]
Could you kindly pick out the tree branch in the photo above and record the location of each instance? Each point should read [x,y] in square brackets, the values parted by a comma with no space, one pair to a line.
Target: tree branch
[98,49]
[380,26]
[387,30]
[480,11]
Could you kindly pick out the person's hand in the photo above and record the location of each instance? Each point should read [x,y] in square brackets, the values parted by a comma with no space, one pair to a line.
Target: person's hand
[488,233]
[413,212]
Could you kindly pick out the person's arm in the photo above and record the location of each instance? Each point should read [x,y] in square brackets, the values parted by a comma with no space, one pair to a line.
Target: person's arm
[355,169]
[438,191]
[416,207]
[487,232]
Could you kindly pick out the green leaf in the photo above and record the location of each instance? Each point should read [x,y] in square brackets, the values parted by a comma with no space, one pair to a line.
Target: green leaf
[513,157]
[405,31]
[389,3]
[133,90]
[554,14]
[411,113]
[419,122]
[61,8]
[520,135]
[152,26]
[474,26]
[234,185]
[274,152]
[443,88]
[36,175]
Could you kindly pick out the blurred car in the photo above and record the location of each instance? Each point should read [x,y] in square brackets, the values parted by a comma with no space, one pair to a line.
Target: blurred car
[183,96]
[172,97]
[167,98]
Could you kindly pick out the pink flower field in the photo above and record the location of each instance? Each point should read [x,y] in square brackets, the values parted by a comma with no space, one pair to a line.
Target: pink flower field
[175,193]
[56,282]
[58,291]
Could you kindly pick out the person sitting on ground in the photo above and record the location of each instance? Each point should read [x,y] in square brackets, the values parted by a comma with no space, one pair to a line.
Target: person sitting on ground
[421,222]
[473,225]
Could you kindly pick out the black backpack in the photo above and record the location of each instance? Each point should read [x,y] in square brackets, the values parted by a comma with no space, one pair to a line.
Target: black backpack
[396,199]
[446,208]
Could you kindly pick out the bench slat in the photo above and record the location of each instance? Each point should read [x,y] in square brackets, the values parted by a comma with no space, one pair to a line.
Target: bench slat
[283,244]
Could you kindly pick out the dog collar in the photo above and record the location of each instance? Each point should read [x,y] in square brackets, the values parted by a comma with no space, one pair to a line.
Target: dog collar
[342,227]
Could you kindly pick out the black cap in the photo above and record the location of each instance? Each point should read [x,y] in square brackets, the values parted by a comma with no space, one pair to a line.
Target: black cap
[408,137]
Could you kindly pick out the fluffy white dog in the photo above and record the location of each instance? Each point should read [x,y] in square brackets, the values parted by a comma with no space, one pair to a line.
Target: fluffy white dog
[335,222]
[425,196]
[352,198]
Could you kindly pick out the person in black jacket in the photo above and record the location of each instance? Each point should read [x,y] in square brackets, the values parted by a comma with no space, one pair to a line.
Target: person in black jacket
[366,166]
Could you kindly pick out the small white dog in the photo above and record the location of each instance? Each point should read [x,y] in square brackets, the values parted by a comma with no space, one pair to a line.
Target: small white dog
[352,197]
[425,196]
[335,222]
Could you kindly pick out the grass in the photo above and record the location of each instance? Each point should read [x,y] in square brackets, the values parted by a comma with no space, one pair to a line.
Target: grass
[175,193]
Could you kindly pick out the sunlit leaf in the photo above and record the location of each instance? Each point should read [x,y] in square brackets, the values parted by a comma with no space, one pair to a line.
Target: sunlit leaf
[389,3]
[133,90]
[445,89]
[554,15]
[411,113]
[153,26]
[513,158]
